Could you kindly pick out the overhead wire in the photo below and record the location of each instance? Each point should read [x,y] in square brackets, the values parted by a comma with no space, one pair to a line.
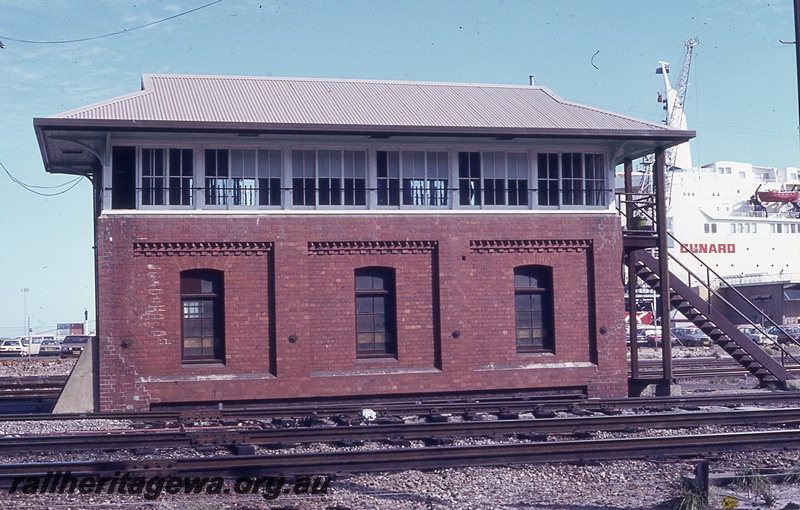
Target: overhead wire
[71,184]
[118,32]
[33,189]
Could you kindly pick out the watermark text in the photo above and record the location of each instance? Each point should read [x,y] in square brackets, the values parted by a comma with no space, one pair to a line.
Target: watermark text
[153,487]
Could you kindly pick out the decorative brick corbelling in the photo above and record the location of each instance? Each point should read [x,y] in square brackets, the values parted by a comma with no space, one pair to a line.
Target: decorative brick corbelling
[162,249]
[528,246]
[370,247]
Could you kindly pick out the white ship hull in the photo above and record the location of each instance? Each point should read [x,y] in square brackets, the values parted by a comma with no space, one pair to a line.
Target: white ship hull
[711,213]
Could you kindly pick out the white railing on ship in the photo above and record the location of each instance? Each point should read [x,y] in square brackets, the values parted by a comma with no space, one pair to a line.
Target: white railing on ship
[750,279]
[789,215]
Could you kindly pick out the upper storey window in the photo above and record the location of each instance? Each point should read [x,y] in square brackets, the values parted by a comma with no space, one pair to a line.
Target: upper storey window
[571,178]
[329,177]
[413,178]
[167,176]
[493,178]
[242,177]
[285,176]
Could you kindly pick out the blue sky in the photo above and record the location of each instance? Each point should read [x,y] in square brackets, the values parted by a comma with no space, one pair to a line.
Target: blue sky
[742,99]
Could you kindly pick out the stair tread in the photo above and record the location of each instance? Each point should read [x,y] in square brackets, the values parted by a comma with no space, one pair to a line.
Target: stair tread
[709,321]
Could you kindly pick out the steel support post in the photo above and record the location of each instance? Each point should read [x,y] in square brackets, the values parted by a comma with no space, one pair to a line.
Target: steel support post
[659,171]
[629,222]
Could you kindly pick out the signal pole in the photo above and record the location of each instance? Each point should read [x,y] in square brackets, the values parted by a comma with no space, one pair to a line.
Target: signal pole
[25,320]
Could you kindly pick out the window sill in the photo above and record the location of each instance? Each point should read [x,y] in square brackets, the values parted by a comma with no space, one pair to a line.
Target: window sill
[200,362]
[377,358]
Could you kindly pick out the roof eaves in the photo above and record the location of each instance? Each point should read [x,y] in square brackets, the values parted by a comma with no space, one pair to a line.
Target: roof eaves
[71,124]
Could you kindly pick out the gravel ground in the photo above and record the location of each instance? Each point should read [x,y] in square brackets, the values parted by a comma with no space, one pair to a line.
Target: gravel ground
[16,367]
[611,485]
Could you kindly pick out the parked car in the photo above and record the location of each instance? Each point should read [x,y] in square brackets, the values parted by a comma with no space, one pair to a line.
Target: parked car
[654,339]
[641,337]
[73,345]
[50,347]
[13,347]
[793,331]
[34,342]
[756,335]
[692,337]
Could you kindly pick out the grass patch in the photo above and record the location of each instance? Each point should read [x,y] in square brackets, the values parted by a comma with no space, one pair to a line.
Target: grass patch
[756,485]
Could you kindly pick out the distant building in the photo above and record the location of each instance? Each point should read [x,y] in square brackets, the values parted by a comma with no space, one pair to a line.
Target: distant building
[69,328]
[778,301]
[272,239]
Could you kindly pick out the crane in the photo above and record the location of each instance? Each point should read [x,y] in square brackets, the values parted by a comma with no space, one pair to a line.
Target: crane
[673,100]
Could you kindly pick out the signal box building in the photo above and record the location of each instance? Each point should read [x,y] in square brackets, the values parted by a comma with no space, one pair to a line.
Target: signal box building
[273,239]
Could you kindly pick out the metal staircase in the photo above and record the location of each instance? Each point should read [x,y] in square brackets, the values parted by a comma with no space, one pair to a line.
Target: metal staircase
[682,298]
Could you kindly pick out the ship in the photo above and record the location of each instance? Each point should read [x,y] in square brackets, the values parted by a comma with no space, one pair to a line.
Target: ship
[733,225]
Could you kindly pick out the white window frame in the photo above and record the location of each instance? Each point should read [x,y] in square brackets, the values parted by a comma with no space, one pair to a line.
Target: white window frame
[240,187]
[565,179]
[165,177]
[339,163]
[415,179]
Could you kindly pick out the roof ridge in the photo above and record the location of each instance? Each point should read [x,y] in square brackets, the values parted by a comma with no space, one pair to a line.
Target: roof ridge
[149,77]
[612,113]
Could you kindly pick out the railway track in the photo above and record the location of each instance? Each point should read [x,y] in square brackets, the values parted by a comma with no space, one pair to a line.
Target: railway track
[20,389]
[539,440]
[689,368]
[281,435]
[14,389]
[395,459]
[441,405]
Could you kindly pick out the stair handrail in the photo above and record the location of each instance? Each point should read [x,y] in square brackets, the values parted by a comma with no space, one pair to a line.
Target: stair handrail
[708,287]
[645,202]
[647,211]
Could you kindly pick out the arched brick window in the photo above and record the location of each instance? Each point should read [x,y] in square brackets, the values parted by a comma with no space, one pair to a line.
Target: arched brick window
[533,306]
[375,312]
[202,312]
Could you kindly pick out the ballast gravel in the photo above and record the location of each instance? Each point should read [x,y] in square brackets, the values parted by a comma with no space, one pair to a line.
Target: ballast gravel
[643,485]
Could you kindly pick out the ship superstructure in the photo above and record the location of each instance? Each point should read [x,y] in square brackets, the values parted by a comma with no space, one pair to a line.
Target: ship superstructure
[728,214]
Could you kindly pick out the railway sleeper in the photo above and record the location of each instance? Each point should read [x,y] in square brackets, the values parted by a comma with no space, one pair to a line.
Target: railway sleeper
[281,445]
[348,443]
[505,414]
[438,441]
[345,421]
[242,449]
[398,441]
[534,438]
[389,420]
[224,439]
[540,413]
[435,417]
[578,411]
[469,415]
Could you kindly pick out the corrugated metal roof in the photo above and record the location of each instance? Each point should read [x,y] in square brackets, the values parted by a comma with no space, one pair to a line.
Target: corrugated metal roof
[262,102]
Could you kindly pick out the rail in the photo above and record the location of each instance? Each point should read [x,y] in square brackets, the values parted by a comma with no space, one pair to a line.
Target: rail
[399,459]
[281,437]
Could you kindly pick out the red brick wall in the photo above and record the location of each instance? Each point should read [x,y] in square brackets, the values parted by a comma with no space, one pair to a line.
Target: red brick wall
[293,275]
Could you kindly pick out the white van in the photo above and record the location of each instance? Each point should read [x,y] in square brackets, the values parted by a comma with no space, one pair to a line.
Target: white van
[35,343]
